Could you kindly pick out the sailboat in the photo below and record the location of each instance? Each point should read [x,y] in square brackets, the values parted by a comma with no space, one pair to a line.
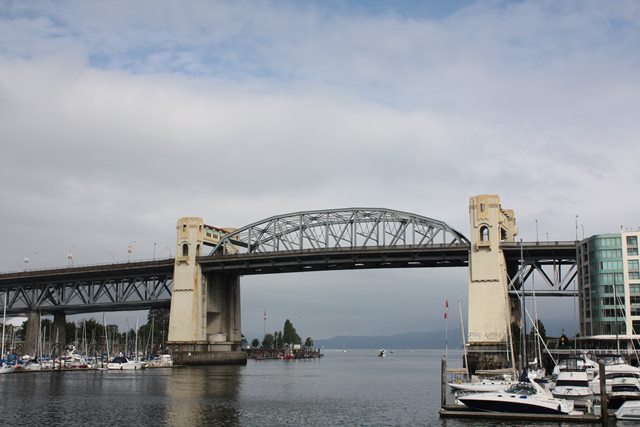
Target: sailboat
[4,367]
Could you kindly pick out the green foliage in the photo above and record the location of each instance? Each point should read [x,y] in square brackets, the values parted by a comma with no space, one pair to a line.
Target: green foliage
[255,343]
[268,340]
[289,334]
[308,342]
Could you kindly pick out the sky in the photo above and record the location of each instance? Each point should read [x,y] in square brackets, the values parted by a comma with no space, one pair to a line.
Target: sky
[117,118]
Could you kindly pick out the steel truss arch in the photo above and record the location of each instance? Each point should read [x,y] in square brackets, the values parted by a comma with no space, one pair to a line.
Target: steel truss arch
[350,228]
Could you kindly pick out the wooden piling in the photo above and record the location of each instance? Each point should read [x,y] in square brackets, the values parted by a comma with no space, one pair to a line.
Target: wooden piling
[443,383]
[604,407]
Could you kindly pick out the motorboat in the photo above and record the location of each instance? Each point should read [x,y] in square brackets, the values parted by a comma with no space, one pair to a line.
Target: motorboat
[617,370]
[483,385]
[573,385]
[382,353]
[121,363]
[523,397]
[162,361]
[623,389]
[630,410]
[5,368]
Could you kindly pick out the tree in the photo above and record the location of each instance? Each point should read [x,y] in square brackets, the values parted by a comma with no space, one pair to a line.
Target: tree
[267,341]
[308,342]
[289,334]
[255,343]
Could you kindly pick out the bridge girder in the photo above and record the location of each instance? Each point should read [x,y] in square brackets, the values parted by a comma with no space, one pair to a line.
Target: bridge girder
[349,228]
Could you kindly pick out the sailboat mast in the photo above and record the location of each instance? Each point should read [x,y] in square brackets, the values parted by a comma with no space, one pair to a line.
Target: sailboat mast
[464,344]
[4,321]
[523,315]
[136,359]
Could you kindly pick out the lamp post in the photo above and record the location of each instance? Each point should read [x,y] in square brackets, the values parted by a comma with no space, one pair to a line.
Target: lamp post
[154,250]
[70,257]
[130,249]
[536,230]
[27,260]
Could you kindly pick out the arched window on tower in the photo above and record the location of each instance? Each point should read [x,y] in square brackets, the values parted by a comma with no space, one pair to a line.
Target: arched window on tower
[198,250]
[185,249]
[484,233]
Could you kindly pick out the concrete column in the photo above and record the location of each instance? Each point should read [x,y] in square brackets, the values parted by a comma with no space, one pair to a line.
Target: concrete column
[32,334]
[489,305]
[59,332]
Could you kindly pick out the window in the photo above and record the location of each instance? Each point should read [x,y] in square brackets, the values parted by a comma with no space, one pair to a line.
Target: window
[634,265]
[185,249]
[632,241]
[632,251]
[484,233]
[503,234]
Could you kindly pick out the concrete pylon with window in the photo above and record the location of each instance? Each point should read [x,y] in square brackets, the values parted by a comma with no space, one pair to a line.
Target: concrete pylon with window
[489,315]
[204,323]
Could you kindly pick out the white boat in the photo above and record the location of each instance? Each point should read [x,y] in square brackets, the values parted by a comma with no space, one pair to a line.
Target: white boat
[630,410]
[121,363]
[524,397]
[483,386]
[573,385]
[618,370]
[162,361]
[623,389]
[5,369]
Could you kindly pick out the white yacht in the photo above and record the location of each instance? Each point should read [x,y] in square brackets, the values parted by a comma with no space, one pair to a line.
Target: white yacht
[5,368]
[573,385]
[121,363]
[623,389]
[524,397]
[162,361]
[630,410]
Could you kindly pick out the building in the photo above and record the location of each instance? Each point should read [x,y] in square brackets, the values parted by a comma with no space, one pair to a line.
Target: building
[609,288]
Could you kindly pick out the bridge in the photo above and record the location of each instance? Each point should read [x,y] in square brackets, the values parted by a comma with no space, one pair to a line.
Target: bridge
[202,286]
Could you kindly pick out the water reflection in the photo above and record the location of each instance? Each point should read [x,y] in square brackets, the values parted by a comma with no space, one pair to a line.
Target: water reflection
[205,395]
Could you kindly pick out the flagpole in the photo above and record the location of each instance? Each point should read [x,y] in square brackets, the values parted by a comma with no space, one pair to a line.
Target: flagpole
[264,324]
[446,329]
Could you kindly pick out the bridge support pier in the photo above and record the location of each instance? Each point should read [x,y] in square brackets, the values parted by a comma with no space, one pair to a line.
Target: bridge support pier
[59,332]
[32,335]
[490,316]
[204,323]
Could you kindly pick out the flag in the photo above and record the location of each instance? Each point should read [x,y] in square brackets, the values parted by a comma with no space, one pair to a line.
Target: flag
[446,308]
[265,315]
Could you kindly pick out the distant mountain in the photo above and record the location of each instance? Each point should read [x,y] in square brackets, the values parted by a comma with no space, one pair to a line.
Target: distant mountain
[410,340]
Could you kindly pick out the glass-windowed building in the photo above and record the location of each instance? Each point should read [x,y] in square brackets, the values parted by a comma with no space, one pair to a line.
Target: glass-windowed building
[609,286]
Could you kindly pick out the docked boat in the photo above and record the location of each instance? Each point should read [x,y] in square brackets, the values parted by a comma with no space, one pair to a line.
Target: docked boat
[623,389]
[524,397]
[630,410]
[5,368]
[121,363]
[574,386]
[162,361]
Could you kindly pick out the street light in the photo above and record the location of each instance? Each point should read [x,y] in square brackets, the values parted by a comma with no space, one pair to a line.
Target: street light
[70,257]
[536,230]
[27,260]
[130,249]
[154,250]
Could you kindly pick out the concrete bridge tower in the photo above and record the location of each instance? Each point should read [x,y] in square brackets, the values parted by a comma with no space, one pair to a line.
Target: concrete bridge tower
[489,305]
[204,323]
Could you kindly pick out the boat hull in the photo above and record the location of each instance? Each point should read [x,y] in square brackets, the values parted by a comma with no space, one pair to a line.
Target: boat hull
[511,406]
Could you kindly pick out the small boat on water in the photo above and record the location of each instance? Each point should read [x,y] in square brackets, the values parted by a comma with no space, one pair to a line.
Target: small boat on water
[5,368]
[623,389]
[630,410]
[121,363]
[162,361]
[382,353]
[523,397]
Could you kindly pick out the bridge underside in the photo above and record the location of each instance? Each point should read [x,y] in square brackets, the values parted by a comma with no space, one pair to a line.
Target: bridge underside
[338,259]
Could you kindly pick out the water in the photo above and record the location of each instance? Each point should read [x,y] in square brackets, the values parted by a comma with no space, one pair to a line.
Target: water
[352,388]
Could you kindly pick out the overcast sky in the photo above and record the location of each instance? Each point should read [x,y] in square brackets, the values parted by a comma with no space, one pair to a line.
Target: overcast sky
[119,117]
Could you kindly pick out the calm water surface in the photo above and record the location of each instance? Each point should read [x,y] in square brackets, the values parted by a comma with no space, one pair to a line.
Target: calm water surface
[341,389]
